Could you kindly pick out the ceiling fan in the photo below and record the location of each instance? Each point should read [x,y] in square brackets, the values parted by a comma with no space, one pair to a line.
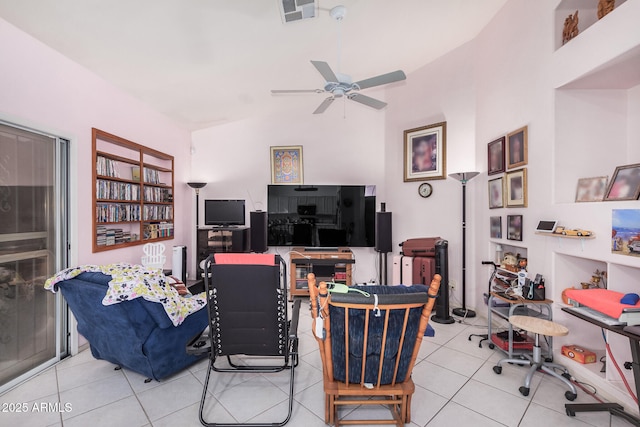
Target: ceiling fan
[340,85]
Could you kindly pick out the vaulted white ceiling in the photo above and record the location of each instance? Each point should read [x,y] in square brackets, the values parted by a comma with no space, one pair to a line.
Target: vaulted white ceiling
[207,62]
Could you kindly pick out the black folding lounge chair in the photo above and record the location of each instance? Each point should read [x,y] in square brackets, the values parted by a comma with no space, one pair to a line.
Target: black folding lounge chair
[248,317]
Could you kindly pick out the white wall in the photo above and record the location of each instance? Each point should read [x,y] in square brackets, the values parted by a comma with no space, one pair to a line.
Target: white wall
[45,91]
[342,146]
[440,91]
[514,90]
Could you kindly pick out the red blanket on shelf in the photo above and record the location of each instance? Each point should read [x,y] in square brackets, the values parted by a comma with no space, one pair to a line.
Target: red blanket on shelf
[603,300]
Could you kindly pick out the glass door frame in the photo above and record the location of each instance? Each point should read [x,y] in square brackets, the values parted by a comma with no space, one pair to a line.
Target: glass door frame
[62,246]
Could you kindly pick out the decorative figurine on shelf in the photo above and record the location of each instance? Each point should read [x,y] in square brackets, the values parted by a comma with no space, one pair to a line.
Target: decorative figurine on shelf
[570,27]
[599,279]
[605,6]
[510,262]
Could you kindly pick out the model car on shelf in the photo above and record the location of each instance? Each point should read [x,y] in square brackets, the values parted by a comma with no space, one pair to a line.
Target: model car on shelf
[634,246]
[573,232]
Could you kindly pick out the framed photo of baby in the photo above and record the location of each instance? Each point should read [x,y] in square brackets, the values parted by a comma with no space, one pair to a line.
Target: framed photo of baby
[425,152]
[517,148]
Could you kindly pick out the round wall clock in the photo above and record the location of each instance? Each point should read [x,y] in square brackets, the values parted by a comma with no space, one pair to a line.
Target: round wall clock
[425,189]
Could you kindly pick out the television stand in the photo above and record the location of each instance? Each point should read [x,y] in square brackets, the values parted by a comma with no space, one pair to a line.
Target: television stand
[328,264]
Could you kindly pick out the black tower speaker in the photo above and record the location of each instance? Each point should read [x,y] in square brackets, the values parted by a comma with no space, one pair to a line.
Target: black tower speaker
[258,222]
[442,268]
[383,232]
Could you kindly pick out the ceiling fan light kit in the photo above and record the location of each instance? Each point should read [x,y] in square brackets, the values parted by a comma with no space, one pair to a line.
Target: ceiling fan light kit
[338,13]
[340,85]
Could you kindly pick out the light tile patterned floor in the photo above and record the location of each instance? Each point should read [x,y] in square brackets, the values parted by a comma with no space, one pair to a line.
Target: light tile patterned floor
[455,386]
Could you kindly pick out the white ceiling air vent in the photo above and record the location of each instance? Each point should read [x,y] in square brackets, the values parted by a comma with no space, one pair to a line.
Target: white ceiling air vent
[297,10]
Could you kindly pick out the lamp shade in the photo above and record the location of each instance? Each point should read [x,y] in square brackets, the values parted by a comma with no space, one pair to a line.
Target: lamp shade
[464,177]
[196,185]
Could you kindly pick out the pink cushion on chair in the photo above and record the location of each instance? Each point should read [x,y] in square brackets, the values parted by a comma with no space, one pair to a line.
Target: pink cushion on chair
[603,300]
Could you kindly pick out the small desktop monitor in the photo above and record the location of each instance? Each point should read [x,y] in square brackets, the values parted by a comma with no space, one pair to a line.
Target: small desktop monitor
[224,213]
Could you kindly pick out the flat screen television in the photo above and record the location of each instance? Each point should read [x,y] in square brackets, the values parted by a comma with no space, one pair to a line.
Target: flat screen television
[321,215]
[224,212]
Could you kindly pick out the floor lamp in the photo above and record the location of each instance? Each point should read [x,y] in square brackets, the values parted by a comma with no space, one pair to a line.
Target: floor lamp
[197,186]
[464,177]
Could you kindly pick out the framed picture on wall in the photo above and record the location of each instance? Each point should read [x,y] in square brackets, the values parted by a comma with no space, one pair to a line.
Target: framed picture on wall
[625,227]
[495,154]
[425,152]
[625,183]
[517,148]
[495,227]
[514,227]
[496,193]
[286,165]
[591,189]
[516,191]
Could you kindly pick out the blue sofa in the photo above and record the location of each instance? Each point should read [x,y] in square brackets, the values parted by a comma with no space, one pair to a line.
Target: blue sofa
[136,334]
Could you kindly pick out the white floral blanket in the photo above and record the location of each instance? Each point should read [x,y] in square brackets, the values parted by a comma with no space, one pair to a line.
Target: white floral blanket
[132,281]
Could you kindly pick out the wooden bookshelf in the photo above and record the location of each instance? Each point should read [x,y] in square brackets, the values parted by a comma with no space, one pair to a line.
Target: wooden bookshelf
[132,198]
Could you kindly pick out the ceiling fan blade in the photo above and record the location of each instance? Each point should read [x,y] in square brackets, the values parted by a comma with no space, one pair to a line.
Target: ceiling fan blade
[368,101]
[277,91]
[325,104]
[326,71]
[383,79]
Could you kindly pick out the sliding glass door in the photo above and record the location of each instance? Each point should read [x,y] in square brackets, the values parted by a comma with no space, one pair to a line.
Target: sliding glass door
[33,246]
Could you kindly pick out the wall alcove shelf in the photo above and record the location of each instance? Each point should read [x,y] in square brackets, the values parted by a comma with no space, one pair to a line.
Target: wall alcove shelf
[133,193]
[596,81]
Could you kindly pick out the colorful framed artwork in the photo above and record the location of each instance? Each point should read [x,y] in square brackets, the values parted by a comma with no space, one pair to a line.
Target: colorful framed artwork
[514,227]
[516,188]
[517,142]
[425,152]
[495,154]
[286,165]
[625,183]
[625,232]
[591,189]
[495,227]
[496,193]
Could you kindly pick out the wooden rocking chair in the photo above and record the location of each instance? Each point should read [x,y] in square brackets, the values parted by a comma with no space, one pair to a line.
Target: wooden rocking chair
[369,338]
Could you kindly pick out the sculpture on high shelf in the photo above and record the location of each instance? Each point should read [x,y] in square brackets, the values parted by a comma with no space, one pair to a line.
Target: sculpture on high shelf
[604,7]
[570,27]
